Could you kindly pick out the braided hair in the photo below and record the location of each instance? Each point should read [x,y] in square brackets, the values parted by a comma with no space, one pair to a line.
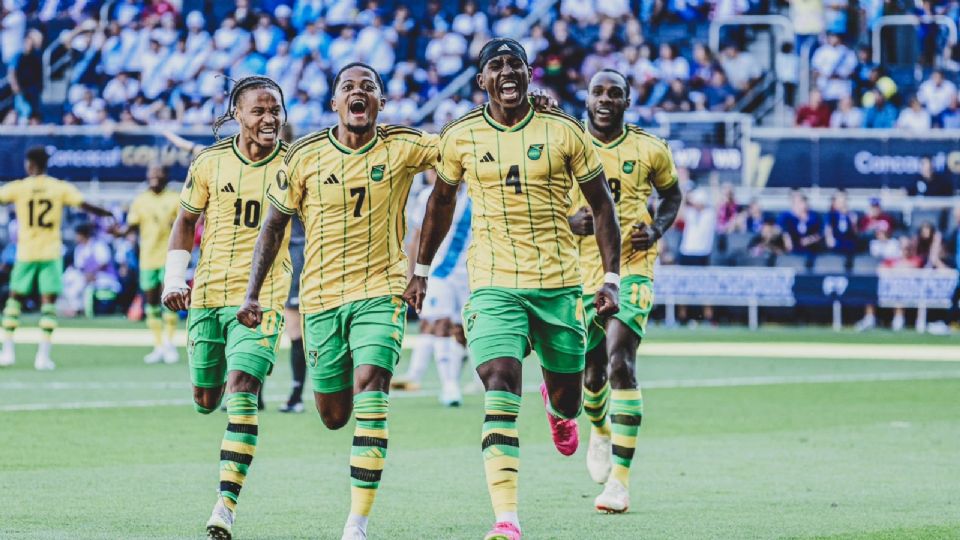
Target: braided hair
[241,86]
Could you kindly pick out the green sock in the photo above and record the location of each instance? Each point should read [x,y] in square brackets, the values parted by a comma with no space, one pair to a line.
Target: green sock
[369,449]
[595,406]
[11,315]
[626,413]
[238,446]
[48,318]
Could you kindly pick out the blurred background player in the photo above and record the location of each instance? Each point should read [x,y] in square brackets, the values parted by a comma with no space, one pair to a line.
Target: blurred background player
[636,163]
[39,201]
[441,328]
[152,215]
[350,183]
[519,165]
[228,182]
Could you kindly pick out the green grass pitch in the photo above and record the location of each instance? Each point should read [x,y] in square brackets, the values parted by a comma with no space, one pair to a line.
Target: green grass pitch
[731,447]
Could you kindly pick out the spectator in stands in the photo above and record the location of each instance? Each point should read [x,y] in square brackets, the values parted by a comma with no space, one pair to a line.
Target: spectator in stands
[727,209]
[787,65]
[878,82]
[157,8]
[890,251]
[914,118]
[313,39]
[861,74]
[578,10]
[446,51]
[601,58]
[951,116]
[833,64]
[470,21]
[881,114]
[92,277]
[25,74]
[267,36]
[535,43]
[875,223]
[937,94]
[802,228]
[741,68]
[931,182]
[847,115]
[751,220]
[704,65]
[719,95]
[697,238]
[841,227]
[560,62]
[450,109]
[677,98]
[815,114]
[928,244]
[767,242]
[13,30]
[90,110]
[376,43]
[121,90]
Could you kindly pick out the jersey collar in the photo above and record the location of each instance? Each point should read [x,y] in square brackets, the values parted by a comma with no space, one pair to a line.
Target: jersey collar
[262,162]
[500,127]
[350,151]
[611,144]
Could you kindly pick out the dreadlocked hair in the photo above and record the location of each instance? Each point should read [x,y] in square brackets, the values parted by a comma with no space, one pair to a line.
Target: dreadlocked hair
[241,86]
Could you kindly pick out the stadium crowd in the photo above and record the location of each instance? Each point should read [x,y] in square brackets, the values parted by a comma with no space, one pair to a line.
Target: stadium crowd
[163,62]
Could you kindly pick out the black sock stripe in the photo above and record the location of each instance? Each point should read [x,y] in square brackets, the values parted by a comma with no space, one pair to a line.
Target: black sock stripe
[231,487]
[594,410]
[623,452]
[379,442]
[249,429]
[509,469]
[236,457]
[500,418]
[365,475]
[626,419]
[499,439]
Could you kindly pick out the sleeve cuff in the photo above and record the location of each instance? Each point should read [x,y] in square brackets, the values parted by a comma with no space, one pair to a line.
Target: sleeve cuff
[446,180]
[590,175]
[189,208]
[276,204]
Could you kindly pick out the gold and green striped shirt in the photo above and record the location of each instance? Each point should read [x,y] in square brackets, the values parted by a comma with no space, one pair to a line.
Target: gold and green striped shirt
[353,207]
[519,179]
[231,191]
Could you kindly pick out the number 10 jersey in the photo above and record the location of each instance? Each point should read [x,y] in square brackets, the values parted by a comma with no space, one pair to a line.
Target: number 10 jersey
[232,193]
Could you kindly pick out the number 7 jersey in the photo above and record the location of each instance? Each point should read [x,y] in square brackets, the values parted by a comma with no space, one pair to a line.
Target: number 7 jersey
[232,193]
[353,207]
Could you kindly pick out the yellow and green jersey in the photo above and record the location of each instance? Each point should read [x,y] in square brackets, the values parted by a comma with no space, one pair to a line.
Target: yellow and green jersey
[39,202]
[232,193]
[519,179]
[635,163]
[154,214]
[353,207]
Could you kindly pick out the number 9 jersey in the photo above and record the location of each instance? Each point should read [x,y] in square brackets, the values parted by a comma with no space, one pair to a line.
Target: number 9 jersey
[232,192]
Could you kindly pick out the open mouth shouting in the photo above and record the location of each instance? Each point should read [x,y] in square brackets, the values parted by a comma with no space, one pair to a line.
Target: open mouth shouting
[604,114]
[510,91]
[358,108]
[268,132]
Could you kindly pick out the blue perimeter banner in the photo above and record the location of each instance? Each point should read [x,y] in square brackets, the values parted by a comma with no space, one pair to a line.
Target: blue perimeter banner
[107,157]
[854,162]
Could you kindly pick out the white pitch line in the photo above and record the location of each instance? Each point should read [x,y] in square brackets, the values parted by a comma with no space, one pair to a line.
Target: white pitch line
[659,385]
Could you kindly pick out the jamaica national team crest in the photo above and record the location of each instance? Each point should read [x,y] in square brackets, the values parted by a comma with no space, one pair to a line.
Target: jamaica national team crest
[313,357]
[628,166]
[376,172]
[535,151]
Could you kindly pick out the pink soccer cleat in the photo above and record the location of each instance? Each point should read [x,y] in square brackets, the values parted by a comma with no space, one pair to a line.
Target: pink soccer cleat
[503,530]
[565,432]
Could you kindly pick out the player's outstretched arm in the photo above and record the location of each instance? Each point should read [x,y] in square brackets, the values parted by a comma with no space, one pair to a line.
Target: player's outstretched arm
[643,237]
[607,229]
[176,293]
[95,210]
[436,222]
[265,252]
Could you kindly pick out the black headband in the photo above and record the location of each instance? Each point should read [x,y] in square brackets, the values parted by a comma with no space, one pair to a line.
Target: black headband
[500,46]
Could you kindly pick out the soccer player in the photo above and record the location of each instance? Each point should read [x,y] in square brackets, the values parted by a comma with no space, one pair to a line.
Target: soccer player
[442,328]
[519,165]
[228,182]
[350,184]
[39,201]
[152,215]
[635,163]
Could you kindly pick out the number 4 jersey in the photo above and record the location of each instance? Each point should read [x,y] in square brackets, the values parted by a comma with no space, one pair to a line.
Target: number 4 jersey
[39,202]
[232,193]
[353,206]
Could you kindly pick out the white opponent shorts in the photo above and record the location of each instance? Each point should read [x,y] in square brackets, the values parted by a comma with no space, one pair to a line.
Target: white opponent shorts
[445,298]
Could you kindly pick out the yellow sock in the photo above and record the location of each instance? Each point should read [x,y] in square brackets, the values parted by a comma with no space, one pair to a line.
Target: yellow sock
[170,321]
[154,324]
[626,413]
[369,450]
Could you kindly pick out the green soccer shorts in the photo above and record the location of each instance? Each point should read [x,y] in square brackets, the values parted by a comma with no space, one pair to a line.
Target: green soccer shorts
[508,323]
[338,340]
[45,277]
[636,303]
[151,279]
[217,344]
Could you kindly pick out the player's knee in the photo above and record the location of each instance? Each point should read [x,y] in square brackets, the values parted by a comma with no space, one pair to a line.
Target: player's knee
[205,401]
[594,377]
[495,378]
[622,371]
[567,405]
[243,382]
[334,419]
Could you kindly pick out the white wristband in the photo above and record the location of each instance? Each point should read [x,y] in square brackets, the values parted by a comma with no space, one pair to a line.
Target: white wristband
[175,273]
[421,270]
[611,278]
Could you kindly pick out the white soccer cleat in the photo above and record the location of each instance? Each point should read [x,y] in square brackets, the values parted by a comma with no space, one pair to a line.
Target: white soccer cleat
[170,354]
[353,532]
[43,363]
[615,498]
[220,524]
[936,328]
[868,322]
[450,395]
[7,356]
[898,322]
[599,457]
[155,356]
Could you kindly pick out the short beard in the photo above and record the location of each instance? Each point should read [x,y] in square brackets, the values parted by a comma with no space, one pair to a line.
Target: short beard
[359,130]
[615,124]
